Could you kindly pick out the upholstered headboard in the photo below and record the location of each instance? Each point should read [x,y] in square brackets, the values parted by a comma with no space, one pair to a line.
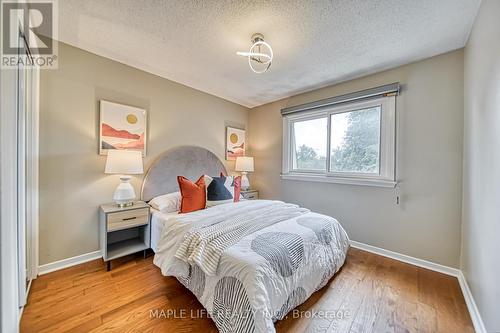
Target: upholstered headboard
[188,161]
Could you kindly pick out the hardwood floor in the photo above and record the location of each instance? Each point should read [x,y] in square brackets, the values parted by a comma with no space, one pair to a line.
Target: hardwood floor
[370,294]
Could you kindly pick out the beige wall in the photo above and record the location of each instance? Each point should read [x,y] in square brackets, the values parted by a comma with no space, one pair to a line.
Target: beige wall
[430,113]
[72,182]
[481,200]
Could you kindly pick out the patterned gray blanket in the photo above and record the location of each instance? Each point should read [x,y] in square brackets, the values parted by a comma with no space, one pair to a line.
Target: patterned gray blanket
[204,246]
[263,272]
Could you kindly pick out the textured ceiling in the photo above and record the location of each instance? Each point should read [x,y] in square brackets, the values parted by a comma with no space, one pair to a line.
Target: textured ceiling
[315,43]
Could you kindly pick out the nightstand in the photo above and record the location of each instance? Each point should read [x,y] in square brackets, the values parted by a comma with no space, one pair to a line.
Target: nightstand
[250,194]
[124,231]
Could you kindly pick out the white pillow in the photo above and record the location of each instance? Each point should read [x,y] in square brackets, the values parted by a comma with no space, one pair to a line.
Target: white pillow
[167,203]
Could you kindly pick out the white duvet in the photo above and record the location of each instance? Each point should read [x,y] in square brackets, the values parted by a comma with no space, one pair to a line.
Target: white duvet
[265,273]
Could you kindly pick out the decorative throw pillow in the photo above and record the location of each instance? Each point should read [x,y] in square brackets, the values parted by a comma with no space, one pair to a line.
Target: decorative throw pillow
[194,195]
[237,188]
[222,189]
[167,203]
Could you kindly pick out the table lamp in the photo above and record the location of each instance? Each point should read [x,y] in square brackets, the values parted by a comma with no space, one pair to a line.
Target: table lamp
[124,163]
[244,164]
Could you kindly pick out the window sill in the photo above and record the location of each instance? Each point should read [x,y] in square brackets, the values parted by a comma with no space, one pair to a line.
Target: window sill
[340,180]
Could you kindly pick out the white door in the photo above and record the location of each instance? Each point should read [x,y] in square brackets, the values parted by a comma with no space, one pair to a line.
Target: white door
[26,190]
[21,176]
[18,188]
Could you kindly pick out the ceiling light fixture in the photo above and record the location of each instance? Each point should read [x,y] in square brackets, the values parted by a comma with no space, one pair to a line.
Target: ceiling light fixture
[260,54]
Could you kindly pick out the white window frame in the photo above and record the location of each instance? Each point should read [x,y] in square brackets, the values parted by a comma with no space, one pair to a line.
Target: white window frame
[387,157]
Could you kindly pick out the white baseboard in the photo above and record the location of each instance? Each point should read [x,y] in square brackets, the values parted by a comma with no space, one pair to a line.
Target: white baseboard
[407,259]
[477,321]
[68,262]
[469,300]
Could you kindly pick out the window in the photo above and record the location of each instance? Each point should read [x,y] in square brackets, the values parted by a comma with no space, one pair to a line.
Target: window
[355,141]
[309,144]
[351,143]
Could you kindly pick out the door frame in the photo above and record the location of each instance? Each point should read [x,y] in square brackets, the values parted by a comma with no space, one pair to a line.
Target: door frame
[10,313]
[28,192]
[32,118]
[32,153]
[8,202]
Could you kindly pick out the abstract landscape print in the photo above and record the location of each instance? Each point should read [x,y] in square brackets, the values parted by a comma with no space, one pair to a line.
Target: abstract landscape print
[122,127]
[235,143]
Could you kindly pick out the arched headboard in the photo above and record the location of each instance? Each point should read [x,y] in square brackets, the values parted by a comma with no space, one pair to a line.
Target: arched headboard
[188,161]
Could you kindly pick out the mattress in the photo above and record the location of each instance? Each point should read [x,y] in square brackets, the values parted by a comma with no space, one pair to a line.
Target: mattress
[158,220]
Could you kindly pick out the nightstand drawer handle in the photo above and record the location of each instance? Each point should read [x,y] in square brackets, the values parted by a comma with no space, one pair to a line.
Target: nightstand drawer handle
[129,218]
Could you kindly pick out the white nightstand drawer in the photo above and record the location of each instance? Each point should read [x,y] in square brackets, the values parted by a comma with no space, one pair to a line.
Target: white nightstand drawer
[127,219]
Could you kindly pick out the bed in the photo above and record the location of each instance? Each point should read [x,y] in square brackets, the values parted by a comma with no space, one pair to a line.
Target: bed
[249,263]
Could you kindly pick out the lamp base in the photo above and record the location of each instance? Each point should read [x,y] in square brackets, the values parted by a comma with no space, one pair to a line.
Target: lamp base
[245,183]
[123,205]
[124,194]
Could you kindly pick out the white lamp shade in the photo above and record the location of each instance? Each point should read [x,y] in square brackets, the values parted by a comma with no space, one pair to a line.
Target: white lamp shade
[125,162]
[244,164]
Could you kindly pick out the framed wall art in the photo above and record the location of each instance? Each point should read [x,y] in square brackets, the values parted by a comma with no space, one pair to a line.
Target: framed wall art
[235,143]
[121,127]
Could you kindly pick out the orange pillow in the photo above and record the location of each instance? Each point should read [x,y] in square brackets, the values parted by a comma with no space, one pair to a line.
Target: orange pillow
[194,195]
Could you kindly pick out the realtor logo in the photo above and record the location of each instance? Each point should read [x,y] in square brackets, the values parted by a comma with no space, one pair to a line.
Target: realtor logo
[29,33]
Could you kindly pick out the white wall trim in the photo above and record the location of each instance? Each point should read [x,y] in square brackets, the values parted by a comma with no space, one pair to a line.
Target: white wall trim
[339,180]
[68,262]
[469,300]
[475,315]
[407,259]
